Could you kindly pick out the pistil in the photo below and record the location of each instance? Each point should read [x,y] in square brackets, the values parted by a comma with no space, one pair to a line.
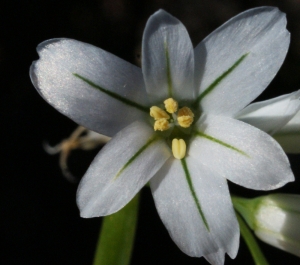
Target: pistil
[178,148]
[164,121]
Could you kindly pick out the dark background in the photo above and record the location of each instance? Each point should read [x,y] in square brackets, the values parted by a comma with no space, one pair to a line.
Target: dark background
[40,223]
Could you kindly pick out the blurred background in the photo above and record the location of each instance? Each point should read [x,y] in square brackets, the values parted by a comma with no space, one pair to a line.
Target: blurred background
[40,222]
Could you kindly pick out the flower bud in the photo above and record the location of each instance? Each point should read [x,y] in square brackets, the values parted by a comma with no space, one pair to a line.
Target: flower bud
[275,219]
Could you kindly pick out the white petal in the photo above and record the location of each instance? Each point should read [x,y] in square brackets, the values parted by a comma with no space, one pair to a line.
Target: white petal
[256,43]
[289,135]
[195,206]
[168,59]
[241,153]
[273,114]
[120,170]
[53,75]
[217,258]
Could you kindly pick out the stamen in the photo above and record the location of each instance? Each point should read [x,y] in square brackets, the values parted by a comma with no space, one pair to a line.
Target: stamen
[178,148]
[158,113]
[171,105]
[161,125]
[185,117]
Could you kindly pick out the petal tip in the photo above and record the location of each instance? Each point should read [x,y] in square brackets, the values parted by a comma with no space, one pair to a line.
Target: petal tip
[296,95]
[290,178]
[32,73]
[46,43]
[86,210]
[160,12]
[162,16]
[86,214]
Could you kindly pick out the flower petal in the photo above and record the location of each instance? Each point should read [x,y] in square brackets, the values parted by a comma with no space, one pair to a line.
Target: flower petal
[273,114]
[168,59]
[236,62]
[120,170]
[289,135]
[217,258]
[195,206]
[91,86]
[241,153]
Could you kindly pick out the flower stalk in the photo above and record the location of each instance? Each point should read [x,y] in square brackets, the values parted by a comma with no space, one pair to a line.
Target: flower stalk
[116,237]
[251,242]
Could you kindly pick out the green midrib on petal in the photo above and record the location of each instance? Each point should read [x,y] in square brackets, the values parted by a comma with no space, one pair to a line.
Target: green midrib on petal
[219,79]
[192,190]
[215,140]
[168,68]
[135,156]
[112,94]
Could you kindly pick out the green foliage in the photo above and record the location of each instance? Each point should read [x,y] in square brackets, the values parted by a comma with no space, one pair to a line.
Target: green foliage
[117,236]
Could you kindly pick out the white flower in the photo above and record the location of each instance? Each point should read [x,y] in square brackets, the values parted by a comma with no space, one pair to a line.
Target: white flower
[204,89]
[275,219]
[289,135]
[274,115]
[279,117]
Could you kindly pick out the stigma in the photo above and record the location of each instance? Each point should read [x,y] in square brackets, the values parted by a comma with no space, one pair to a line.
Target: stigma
[178,148]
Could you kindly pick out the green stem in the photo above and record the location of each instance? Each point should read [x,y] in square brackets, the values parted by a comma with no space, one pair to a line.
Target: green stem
[116,238]
[252,244]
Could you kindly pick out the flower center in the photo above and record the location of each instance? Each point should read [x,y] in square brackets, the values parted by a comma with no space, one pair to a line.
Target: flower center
[172,116]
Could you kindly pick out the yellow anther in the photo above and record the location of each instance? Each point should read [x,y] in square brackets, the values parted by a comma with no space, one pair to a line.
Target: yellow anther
[158,113]
[171,105]
[185,117]
[161,125]
[178,148]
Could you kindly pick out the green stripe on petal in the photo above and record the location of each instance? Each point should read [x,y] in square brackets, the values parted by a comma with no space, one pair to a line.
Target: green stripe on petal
[168,68]
[113,95]
[219,79]
[191,186]
[141,150]
[215,140]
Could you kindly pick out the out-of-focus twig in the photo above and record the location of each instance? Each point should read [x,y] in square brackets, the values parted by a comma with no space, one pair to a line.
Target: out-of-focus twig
[81,138]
